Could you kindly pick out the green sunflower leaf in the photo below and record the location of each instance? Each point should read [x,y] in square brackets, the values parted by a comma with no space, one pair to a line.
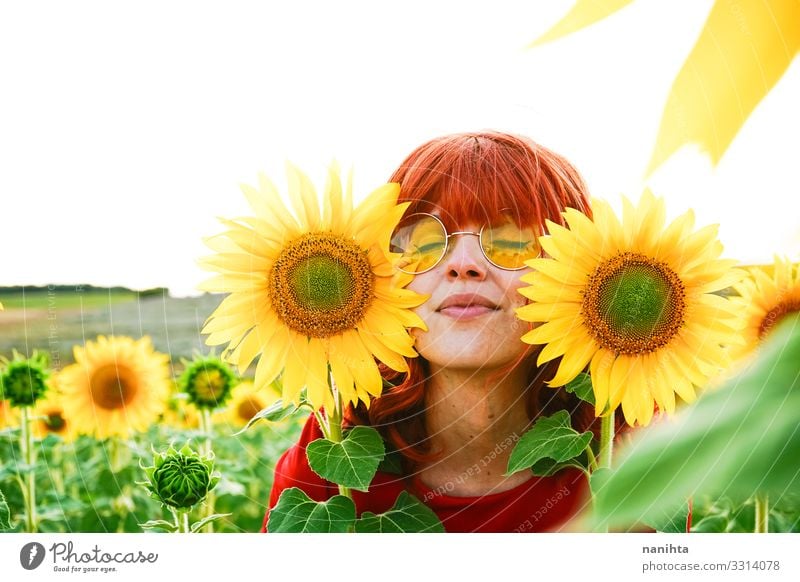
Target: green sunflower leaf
[295,512]
[407,515]
[547,467]
[736,440]
[351,462]
[581,386]
[276,412]
[159,525]
[198,525]
[5,514]
[551,437]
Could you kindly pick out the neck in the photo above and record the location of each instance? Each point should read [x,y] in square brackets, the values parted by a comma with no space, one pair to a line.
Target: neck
[474,419]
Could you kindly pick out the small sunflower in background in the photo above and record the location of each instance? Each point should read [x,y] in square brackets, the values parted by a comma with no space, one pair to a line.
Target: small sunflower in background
[207,382]
[117,386]
[24,381]
[8,416]
[766,300]
[314,292]
[634,301]
[49,417]
[247,401]
[178,414]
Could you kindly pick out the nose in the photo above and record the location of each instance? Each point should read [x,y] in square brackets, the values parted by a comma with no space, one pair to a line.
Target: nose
[464,259]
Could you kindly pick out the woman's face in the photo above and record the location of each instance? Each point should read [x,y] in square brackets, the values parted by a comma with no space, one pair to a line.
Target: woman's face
[471,311]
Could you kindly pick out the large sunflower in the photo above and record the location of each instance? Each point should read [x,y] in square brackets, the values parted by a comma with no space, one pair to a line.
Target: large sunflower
[635,302]
[116,386]
[313,292]
[766,300]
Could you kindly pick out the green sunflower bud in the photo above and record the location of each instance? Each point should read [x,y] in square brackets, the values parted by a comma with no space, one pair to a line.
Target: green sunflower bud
[207,382]
[181,478]
[24,380]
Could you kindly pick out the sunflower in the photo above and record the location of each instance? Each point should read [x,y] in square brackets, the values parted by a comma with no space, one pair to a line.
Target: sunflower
[8,416]
[49,418]
[247,401]
[315,293]
[207,381]
[117,385]
[766,300]
[635,302]
[24,381]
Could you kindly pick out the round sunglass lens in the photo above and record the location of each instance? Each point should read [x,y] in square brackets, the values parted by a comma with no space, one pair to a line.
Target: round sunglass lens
[509,246]
[421,241]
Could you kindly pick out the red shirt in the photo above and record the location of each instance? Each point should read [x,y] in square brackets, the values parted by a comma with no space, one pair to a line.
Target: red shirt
[539,504]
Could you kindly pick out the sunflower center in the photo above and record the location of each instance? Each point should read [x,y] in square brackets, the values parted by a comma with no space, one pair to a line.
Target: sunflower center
[55,422]
[321,284]
[248,408]
[210,385]
[112,386]
[633,304]
[776,315]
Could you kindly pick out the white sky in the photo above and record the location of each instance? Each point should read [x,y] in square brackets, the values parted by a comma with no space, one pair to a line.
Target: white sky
[125,130]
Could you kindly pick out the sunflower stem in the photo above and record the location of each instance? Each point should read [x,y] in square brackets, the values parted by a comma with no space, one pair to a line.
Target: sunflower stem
[323,425]
[606,452]
[207,427]
[181,520]
[29,456]
[335,431]
[762,513]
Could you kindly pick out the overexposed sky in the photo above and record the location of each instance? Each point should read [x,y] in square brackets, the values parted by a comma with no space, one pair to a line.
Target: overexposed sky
[126,129]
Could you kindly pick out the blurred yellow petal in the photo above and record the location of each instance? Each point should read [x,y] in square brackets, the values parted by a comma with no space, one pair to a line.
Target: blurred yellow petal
[742,51]
[582,14]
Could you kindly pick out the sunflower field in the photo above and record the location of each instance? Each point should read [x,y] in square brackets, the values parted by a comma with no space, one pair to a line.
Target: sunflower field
[110,403]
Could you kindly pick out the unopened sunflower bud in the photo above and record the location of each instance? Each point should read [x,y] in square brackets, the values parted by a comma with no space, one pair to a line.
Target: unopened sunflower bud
[24,380]
[181,478]
[207,382]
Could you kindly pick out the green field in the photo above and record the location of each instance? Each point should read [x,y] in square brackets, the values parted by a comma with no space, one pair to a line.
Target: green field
[57,318]
[59,299]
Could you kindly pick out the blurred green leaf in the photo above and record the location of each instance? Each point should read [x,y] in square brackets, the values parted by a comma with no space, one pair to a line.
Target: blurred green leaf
[5,513]
[198,525]
[276,412]
[407,515]
[351,462]
[735,440]
[551,437]
[159,525]
[295,512]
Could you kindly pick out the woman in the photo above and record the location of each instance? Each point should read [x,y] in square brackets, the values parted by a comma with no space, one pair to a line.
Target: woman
[477,202]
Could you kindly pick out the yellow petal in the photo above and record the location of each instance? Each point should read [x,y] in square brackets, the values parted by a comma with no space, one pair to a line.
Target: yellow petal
[559,271]
[619,380]
[574,361]
[378,203]
[304,198]
[600,372]
[548,311]
[739,56]
[553,330]
[379,345]
[318,390]
[582,14]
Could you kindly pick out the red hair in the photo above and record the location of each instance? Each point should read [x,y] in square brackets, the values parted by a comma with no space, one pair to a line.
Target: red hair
[474,178]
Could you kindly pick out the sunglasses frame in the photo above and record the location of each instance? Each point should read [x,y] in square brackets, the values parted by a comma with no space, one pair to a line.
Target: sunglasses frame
[448,235]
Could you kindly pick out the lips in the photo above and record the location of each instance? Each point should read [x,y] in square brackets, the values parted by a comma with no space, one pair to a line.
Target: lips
[466,306]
